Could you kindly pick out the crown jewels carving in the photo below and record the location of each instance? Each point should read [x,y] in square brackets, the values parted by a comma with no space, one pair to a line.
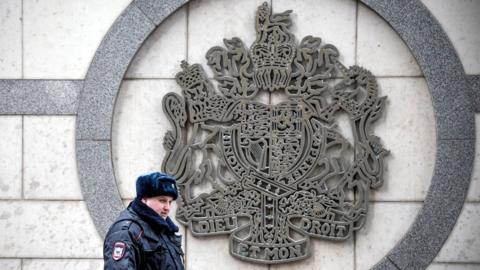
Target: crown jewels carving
[272,176]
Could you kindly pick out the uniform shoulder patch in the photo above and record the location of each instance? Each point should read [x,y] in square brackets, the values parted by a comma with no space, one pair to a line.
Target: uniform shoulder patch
[118,250]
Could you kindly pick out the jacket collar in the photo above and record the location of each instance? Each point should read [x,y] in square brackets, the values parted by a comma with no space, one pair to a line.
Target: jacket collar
[155,221]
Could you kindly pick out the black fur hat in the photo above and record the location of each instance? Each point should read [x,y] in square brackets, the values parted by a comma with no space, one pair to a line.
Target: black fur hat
[156,184]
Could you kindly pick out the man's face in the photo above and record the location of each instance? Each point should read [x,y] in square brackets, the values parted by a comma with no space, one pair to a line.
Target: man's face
[159,204]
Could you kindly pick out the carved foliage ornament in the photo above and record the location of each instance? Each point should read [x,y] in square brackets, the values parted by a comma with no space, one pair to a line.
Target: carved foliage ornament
[273,175]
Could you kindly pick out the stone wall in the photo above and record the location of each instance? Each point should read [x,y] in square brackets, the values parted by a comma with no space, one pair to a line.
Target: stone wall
[44,221]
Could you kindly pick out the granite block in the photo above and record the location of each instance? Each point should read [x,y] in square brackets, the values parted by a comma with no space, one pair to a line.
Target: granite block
[98,183]
[460,20]
[11,157]
[440,65]
[11,45]
[105,75]
[70,264]
[51,97]
[50,168]
[12,96]
[474,81]
[385,264]
[39,96]
[47,229]
[158,10]
[453,110]
[442,206]
[60,36]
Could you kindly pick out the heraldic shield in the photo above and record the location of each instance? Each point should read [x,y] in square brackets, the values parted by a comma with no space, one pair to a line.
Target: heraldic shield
[273,175]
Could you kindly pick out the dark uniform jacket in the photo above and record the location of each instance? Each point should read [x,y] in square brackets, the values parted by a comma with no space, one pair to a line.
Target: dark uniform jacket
[141,239]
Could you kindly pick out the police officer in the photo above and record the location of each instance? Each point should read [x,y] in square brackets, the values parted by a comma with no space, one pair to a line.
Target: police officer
[143,236]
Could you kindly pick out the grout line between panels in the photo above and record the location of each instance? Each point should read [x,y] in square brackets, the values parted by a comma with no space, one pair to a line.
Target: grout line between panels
[356,32]
[22,174]
[42,200]
[22,39]
[187,19]
[49,258]
[354,250]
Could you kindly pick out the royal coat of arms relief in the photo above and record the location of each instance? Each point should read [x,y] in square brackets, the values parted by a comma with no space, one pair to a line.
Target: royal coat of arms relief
[279,174]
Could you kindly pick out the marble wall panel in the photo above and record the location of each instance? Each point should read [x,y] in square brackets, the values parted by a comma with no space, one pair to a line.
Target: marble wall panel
[65,226]
[139,127]
[160,56]
[212,253]
[61,36]
[407,130]
[11,45]
[70,264]
[474,190]
[380,49]
[463,243]
[329,255]
[210,21]
[385,226]
[332,20]
[50,161]
[460,20]
[11,157]
[10,264]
